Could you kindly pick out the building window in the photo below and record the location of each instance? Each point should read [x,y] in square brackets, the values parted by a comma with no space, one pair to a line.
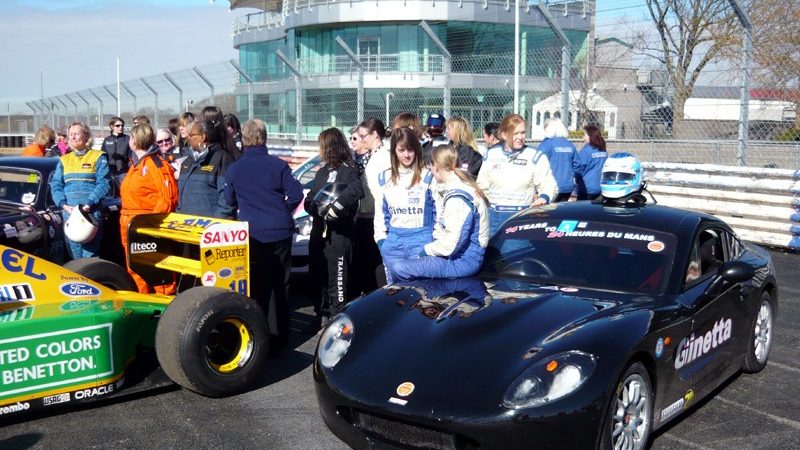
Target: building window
[611,119]
[546,115]
[538,117]
[557,115]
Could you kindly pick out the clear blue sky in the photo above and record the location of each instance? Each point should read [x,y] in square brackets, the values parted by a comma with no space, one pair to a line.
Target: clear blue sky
[75,43]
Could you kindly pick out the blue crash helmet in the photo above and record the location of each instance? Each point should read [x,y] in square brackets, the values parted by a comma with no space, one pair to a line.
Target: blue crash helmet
[621,176]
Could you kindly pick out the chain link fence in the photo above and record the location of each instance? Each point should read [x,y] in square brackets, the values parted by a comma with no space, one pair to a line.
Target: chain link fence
[672,80]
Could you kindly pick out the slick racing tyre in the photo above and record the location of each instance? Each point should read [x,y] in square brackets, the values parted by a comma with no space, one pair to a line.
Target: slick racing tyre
[212,341]
[628,420]
[104,272]
[760,336]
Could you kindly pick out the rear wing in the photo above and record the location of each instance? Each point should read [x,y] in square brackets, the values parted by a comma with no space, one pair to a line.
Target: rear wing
[215,251]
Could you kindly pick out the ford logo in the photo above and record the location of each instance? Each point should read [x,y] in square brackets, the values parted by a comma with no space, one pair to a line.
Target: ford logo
[79,290]
[225,273]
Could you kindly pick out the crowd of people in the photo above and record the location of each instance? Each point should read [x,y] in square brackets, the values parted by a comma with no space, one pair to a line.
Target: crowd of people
[387,205]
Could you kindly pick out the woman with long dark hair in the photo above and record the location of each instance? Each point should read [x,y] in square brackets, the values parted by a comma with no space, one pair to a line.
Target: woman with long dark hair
[590,163]
[332,202]
[405,213]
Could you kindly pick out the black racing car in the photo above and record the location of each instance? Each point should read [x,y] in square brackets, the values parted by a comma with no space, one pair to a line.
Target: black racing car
[29,219]
[588,327]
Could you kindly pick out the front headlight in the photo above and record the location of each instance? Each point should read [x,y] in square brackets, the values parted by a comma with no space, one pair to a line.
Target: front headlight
[302,225]
[335,341]
[549,379]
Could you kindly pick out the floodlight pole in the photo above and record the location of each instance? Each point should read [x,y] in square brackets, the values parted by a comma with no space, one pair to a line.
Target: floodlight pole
[360,66]
[565,61]
[298,94]
[744,93]
[446,63]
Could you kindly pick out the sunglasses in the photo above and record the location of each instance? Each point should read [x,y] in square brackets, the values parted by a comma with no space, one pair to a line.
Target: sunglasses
[164,141]
[118,125]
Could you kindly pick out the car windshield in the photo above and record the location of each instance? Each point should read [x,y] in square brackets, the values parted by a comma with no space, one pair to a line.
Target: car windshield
[19,185]
[593,255]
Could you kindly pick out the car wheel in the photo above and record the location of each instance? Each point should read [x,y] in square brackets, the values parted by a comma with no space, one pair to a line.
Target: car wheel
[104,272]
[760,339]
[628,419]
[212,341]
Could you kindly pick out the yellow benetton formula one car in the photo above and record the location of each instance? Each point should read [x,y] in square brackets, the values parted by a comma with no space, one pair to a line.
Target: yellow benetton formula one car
[79,332]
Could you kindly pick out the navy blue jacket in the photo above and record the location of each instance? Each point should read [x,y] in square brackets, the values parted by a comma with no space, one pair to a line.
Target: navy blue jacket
[201,185]
[591,167]
[563,161]
[266,193]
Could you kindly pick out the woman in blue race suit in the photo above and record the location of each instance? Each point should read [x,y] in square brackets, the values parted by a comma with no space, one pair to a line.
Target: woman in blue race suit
[405,213]
[462,227]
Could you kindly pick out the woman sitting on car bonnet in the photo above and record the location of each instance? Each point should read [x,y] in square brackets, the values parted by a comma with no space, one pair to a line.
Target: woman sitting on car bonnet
[461,233]
[404,209]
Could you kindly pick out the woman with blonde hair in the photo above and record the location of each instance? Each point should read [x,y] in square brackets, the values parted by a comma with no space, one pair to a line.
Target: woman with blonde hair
[44,138]
[461,233]
[460,133]
[405,211]
[515,176]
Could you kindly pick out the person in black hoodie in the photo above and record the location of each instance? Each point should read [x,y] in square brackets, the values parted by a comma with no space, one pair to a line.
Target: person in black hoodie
[332,202]
[118,151]
[467,157]
[262,187]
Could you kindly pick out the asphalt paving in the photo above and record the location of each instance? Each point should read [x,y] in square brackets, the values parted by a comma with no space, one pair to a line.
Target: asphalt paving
[750,411]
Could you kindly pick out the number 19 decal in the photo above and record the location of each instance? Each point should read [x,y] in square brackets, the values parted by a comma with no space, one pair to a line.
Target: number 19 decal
[240,286]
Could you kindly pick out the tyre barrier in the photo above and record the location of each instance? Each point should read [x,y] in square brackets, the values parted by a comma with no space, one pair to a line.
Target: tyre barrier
[762,205]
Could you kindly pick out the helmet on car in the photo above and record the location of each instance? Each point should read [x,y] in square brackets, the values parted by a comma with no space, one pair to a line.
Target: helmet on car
[80,227]
[621,176]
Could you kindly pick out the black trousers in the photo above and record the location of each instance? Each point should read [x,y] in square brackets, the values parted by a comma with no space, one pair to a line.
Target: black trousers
[329,267]
[270,269]
[367,269]
[562,197]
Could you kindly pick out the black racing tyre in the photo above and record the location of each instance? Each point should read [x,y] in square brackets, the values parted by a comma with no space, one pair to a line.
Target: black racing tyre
[212,341]
[107,273]
[628,420]
[760,335]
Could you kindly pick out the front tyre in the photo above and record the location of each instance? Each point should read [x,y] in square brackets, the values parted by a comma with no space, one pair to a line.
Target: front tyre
[212,341]
[760,338]
[628,420]
[106,273]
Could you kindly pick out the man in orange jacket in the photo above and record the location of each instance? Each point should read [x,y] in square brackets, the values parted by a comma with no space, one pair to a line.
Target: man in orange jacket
[149,187]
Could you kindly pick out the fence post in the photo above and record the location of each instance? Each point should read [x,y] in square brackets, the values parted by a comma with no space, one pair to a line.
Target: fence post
[155,100]
[360,91]
[250,105]
[565,60]
[446,66]
[178,88]
[298,84]
[135,109]
[744,94]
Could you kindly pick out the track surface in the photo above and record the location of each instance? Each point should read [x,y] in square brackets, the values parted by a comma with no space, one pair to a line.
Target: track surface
[752,411]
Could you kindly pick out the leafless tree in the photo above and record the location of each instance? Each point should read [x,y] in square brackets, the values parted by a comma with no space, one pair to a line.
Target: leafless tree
[691,34]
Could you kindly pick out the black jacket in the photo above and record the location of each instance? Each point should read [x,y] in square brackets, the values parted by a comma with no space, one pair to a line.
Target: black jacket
[118,151]
[347,174]
[469,160]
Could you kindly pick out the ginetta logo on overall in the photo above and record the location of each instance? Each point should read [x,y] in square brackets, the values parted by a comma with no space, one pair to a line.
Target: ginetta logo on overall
[220,235]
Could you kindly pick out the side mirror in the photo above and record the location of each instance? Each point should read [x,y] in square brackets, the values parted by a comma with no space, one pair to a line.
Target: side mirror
[731,272]
[736,271]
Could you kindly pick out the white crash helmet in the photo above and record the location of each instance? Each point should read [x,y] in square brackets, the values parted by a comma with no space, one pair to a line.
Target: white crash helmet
[621,175]
[81,226]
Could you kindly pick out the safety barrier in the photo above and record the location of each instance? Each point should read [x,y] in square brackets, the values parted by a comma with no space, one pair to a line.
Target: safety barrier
[762,205]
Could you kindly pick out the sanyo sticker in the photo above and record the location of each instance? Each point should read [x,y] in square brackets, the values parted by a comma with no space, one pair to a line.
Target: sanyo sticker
[220,235]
